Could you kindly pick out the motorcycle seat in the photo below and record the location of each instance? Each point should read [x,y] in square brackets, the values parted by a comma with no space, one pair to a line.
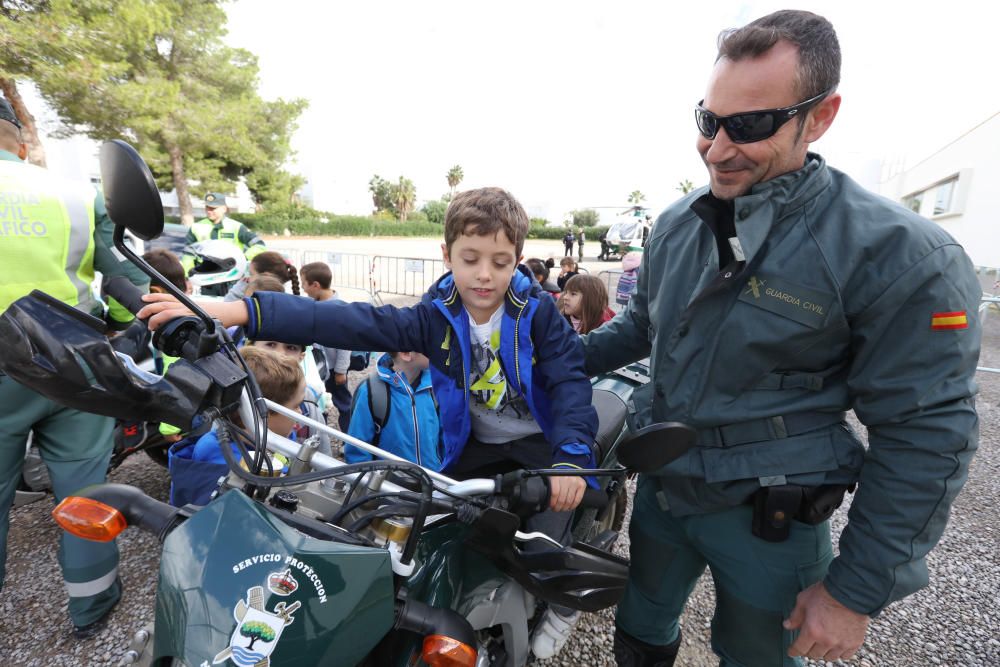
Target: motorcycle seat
[611,413]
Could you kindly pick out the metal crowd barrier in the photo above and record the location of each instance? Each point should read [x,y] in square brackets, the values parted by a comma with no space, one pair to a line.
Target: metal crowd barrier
[610,279]
[349,271]
[403,276]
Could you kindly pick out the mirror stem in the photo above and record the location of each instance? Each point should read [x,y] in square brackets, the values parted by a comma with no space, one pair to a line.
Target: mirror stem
[119,240]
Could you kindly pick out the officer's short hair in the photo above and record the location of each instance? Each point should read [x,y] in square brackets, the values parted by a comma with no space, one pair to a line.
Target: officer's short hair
[819,49]
[484,212]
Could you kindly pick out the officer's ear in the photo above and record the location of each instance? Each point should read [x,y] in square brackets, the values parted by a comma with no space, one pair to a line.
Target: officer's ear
[22,151]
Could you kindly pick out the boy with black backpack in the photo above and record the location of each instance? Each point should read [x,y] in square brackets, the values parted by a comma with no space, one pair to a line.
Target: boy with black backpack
[395,410]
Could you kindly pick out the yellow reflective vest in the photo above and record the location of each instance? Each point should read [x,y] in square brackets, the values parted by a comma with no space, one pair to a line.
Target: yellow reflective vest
[46,236]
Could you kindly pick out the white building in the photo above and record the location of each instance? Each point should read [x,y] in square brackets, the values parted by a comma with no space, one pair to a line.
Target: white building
[956,188]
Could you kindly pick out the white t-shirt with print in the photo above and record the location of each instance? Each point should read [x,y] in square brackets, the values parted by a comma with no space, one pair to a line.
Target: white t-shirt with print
[499,413]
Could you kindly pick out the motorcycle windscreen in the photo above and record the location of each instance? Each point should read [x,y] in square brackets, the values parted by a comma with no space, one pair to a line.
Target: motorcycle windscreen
[239,586]
[579,576]
[64,355]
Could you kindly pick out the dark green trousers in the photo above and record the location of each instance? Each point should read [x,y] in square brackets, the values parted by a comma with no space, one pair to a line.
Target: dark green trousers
[76,447]
[756,582]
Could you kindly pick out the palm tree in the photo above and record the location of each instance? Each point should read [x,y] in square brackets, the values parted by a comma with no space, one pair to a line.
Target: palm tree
[636,197]
[685,186]
[454,176]
[406,197]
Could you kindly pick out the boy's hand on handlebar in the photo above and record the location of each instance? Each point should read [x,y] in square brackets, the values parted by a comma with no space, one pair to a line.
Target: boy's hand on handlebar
[161,308]
[565,493]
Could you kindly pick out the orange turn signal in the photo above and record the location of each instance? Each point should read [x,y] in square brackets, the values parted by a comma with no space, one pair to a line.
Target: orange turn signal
[89,519]
[441,651]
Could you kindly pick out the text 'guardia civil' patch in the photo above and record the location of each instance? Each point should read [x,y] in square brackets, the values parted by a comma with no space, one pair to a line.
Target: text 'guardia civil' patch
[782,297]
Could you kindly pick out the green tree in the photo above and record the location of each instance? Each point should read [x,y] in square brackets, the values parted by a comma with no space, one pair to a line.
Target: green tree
[685,186]
[636,198]
[383,197]
[157,74]
[405,197]
[586,218]
[454,177]
[255,630]
[435,210]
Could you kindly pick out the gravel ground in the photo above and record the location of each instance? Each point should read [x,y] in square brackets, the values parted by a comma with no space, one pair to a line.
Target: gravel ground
[955,621]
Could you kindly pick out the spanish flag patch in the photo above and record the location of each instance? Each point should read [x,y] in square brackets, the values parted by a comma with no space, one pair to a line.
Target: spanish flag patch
[944,321]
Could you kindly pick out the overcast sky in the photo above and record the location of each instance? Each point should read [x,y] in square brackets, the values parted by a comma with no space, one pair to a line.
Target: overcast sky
[575,104]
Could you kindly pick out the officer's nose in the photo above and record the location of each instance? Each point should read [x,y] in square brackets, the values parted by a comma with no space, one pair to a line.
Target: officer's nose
[718,150]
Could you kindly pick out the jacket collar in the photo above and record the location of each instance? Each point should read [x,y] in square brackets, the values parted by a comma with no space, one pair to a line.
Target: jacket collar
[522,286]
[387,374]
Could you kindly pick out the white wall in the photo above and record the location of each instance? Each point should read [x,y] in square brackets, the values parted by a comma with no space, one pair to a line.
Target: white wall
[974,219]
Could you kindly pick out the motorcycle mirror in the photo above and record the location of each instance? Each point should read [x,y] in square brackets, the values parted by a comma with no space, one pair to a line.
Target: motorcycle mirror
[656,445]
[130,192]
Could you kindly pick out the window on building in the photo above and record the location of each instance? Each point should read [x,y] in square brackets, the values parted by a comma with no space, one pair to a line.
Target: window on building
[914,201]
[944,196]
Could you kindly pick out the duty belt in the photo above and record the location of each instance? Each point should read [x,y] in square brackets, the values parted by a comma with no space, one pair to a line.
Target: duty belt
[767,428]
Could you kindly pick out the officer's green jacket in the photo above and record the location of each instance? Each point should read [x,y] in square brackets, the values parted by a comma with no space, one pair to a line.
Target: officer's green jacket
[22,219]
[845,301]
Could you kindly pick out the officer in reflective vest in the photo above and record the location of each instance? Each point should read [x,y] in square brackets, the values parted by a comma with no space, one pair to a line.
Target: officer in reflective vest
[219,226]
[53,235]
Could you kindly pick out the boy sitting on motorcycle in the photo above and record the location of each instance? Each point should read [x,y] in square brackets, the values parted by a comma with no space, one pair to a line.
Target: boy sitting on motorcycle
[506,368]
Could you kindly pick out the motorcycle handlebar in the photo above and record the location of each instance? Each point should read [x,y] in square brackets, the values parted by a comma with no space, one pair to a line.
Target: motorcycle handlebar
[139,510]
[125,293]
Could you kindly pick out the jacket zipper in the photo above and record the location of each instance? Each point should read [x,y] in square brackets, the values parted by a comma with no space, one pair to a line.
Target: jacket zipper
[517,357]
[416,425]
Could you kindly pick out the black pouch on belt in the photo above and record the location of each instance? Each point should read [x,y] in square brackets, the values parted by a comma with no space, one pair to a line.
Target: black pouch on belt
[774,507]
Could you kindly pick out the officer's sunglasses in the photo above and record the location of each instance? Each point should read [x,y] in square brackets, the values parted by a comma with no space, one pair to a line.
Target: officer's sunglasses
[751,126]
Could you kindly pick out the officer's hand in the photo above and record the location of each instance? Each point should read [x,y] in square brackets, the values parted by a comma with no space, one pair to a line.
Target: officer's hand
[565,493]
[827,629]
[340,378]
[161,308]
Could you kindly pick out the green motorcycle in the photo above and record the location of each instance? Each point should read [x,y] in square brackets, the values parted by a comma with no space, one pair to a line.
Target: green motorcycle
[374,563]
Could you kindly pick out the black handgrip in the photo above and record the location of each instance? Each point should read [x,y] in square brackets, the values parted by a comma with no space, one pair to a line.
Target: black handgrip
[125,293]
[594,498]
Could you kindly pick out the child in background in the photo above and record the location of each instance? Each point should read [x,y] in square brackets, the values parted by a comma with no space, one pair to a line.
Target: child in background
[316,283]
[195,468]
[270,263]
[541,273]
[263,282]
[314,402]
[569,269]
[629,277]
[584,303]
[408,425]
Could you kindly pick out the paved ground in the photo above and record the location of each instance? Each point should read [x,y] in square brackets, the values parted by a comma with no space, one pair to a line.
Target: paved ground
[953,622]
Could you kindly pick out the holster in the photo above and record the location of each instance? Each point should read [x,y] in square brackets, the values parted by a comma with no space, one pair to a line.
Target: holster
[774,507]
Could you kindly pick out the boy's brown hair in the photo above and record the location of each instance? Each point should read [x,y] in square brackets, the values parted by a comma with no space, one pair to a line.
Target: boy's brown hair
[317,272]
[485,212]
[279,378]
[168,266]
[264,282]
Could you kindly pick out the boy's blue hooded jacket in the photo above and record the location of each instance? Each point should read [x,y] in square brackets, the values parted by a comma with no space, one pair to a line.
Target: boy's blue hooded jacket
[539,352]
[413,428]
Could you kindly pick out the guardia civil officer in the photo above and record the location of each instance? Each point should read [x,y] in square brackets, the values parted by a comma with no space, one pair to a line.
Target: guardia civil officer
[218,225]
[770,303]
[53,235]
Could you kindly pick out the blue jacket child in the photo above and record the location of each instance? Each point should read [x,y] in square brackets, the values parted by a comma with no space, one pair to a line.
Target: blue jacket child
[412,428]
[537,351]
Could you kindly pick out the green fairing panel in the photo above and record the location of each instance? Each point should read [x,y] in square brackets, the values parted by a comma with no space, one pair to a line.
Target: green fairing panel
[237,585]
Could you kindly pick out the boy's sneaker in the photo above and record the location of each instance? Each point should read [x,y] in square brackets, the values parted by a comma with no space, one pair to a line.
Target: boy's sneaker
[552,632]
